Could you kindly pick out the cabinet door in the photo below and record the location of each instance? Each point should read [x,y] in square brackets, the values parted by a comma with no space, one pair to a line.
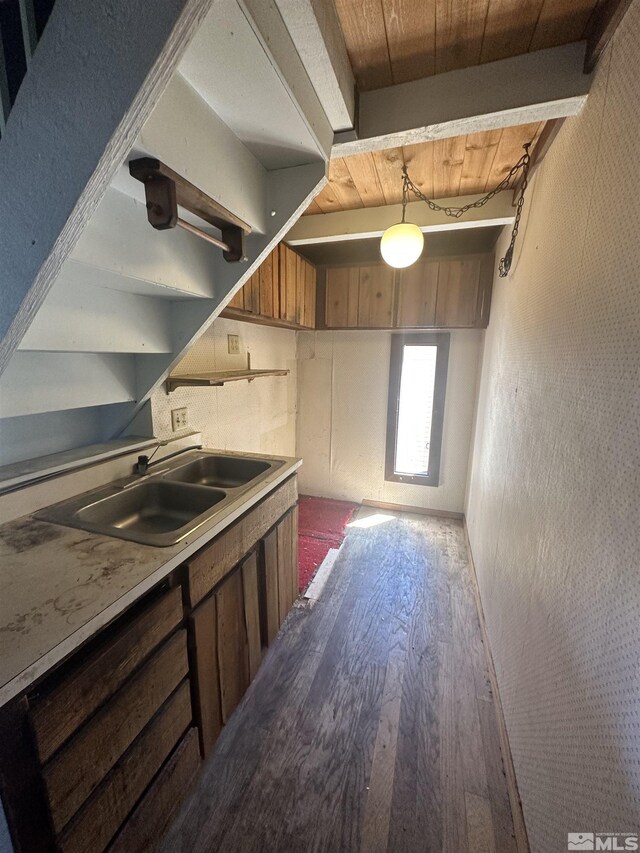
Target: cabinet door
[458,286]
[226,649]
[280,574]
[76,770]
[108,808]
[269,588]
[251,294]
[203,641]
[283,288]
[308,317]
[288,283]
[375,297]
[252,613]
[417,289]
[232,642]
[237,301]
[299,308]
[269,286]
[57,713]
[260,295]
[341,297]
[98,730]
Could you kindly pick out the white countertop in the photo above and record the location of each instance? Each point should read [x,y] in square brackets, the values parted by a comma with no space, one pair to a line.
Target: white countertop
[59,586]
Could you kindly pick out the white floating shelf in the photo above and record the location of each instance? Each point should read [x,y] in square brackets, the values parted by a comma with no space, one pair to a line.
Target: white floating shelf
[220,377]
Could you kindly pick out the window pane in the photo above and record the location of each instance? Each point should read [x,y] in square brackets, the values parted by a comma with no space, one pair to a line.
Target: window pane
[415,409]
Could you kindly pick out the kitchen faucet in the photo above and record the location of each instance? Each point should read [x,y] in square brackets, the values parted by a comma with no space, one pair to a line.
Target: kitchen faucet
[144,462]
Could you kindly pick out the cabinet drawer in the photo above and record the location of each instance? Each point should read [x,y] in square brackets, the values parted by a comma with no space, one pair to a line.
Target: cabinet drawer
[58,713]
[79,767]
[149,821]
[209,566]
[106,810]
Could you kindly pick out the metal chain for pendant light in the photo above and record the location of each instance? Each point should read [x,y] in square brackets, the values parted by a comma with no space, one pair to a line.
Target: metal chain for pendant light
[456,212]
[505,263]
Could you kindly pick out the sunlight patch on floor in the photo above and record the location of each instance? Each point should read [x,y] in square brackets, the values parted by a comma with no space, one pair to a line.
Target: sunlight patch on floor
[372,520]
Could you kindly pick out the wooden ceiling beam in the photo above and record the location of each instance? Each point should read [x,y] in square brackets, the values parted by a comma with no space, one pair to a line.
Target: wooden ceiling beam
[373,221]
[602,25]
[533,87]
[315,30]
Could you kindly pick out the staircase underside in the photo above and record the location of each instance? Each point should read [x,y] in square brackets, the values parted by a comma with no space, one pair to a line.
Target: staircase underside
[129,300]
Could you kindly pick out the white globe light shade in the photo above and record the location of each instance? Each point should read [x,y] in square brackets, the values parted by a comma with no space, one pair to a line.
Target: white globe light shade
[401,245]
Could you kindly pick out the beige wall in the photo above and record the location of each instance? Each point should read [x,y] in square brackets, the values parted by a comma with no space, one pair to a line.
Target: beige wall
[259,417]
[342,401]
[554,501]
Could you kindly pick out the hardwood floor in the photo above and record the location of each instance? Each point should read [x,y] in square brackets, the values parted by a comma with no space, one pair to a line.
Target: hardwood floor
[371,725]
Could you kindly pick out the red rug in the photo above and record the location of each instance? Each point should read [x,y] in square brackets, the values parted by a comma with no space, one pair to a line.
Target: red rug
[321,524]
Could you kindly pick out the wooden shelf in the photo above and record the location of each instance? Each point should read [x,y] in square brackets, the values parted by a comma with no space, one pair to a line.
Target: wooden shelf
[220,377]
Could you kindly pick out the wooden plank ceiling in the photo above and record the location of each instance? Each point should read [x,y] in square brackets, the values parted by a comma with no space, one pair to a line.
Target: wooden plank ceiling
[461,165]
[393,41]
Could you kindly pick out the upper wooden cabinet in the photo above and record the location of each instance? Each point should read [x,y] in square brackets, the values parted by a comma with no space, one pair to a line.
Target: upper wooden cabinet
[297,288]
[376,296]
[461,292]
[434,293]
[417,295]
[359,297]
[445,293]
[282,292]
[342,290]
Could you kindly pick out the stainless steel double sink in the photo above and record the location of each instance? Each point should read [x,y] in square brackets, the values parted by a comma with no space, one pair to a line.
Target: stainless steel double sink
[163,507]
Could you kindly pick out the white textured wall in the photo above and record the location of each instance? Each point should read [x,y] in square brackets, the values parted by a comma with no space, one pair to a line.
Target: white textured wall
[260,416]
[553,507]
[343,380]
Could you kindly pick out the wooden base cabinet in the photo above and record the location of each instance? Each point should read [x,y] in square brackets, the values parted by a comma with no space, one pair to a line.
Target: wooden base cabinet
[279,573]
[242,612]
[103,728]
[226,649]
[102,752]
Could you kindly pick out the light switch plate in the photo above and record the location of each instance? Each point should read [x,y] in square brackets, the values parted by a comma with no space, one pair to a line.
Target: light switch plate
[233,344]
[178,419]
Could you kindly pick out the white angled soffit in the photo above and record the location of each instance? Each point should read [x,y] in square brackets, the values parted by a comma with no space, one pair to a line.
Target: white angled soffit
[243,64]
[60,118]
[317,35]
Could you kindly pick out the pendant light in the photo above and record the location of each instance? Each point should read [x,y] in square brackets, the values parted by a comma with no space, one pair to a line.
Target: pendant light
[401,245]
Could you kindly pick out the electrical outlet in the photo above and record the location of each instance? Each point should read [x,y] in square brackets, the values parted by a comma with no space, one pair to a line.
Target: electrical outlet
[178,419]
[233,344]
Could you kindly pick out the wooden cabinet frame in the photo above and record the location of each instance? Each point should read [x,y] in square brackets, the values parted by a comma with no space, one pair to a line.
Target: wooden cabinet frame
[451,292]
[99,754]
